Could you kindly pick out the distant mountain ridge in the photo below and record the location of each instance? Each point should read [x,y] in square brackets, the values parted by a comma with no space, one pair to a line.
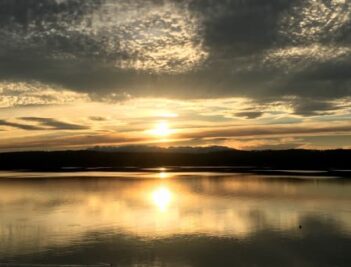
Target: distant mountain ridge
[143,149]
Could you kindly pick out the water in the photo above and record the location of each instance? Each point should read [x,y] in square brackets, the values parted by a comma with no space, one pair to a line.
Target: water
[174,219]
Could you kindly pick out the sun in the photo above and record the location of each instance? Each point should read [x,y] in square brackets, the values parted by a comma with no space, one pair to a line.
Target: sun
[161,129]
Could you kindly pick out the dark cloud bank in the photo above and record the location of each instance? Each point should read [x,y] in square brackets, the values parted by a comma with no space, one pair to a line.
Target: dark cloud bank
[262,49]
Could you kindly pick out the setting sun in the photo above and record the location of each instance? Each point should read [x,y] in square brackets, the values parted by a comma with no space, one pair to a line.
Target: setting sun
[161,129]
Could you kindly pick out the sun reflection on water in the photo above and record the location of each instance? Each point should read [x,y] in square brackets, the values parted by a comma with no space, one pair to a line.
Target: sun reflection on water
[163,175]
[162,198]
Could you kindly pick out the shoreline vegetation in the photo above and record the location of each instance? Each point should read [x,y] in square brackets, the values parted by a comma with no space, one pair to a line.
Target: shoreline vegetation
[270,162]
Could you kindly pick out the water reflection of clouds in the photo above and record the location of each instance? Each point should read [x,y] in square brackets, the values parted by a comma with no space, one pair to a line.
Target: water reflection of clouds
[58,213]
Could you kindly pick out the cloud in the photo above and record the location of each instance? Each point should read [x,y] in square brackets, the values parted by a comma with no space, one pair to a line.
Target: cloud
[249,114]
[43,124]
[35,93]
[312,107]
[111,50]
[317,107]
[97,118]
[269,136]
[66,142]
[271,130]
[55,124]
[316,20]
[20,126]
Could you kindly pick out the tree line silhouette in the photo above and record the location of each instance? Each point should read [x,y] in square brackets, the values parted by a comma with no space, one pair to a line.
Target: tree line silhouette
[283,159]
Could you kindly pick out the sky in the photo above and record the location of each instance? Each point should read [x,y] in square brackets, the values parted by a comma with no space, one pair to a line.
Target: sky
[247,74]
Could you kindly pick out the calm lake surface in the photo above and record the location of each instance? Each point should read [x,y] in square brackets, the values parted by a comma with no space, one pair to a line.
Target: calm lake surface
[174,219]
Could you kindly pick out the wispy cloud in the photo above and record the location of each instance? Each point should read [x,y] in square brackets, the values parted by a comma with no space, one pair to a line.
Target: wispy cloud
[249,114]
[21,126]
[14,94]
[242,137]
[55,124]
[97,118]
[69,142]
[42,124]
[270,130]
